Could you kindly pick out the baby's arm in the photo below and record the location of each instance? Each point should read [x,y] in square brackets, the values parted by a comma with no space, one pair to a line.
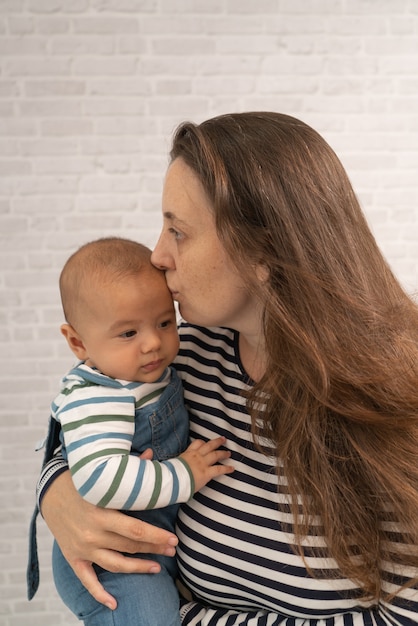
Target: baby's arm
[98,435]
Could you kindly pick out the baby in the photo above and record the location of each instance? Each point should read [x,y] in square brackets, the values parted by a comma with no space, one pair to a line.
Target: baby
[122,399]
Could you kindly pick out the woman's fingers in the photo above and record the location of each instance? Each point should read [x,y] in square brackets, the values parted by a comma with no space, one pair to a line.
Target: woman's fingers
[87,575]
[131,535]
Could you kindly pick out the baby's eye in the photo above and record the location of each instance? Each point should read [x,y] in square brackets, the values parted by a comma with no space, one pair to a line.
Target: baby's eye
[128,334]
[165,324]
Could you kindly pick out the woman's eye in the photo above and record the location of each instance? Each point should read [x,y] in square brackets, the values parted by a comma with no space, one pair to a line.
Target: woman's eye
[176,234]
[128,334]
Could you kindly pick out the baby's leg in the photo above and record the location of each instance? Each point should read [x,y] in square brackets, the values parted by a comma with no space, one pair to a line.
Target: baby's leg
[143,599]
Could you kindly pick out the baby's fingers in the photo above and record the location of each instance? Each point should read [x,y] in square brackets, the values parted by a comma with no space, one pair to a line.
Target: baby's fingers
[208,446]
[212,457]
[218,470]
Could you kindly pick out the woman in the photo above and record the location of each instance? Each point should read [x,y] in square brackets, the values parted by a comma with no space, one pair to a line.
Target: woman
[302,349]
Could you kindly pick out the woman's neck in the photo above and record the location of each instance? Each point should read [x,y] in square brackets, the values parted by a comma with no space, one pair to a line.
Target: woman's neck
[253,355]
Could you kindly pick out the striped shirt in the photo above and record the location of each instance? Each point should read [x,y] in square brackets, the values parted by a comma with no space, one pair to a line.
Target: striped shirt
[236,554]
[97,416]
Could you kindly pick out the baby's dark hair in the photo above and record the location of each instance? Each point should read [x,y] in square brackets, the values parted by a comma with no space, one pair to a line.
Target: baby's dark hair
[106,259]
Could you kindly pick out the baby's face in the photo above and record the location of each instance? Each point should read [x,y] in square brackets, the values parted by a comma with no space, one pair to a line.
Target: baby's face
[131,331]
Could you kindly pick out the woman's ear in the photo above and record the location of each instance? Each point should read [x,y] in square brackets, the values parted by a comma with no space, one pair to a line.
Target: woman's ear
[262,272]
[74,341]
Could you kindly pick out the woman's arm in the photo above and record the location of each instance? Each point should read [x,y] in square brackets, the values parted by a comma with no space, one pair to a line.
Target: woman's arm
[87,534]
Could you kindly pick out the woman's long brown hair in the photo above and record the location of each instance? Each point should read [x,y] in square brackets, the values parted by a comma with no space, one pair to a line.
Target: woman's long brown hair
[340,392]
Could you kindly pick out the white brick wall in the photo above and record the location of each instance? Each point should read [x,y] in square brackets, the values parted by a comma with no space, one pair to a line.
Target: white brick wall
[90,92]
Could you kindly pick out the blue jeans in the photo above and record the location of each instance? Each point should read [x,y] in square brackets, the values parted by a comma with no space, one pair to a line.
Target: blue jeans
[143,599]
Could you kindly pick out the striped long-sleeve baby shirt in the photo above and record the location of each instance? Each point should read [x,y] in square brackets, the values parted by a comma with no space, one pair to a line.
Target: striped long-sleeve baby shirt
[97,416]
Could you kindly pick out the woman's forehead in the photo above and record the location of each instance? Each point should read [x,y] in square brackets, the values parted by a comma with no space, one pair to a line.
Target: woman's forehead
[184,197]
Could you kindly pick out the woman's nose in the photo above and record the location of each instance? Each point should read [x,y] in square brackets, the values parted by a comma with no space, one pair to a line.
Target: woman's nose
[160,257]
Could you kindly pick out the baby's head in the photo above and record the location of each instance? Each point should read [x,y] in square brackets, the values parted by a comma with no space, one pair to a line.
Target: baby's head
[119,312]
[95,266]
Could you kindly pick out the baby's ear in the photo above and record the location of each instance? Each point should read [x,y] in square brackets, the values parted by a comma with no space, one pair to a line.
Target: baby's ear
[74,341]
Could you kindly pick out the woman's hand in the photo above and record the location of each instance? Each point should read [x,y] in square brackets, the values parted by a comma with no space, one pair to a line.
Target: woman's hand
[87,534]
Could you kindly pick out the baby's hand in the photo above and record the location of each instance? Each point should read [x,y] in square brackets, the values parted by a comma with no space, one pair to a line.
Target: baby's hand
[203,459]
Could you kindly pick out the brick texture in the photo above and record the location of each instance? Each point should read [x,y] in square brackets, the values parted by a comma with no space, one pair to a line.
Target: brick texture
[90,92]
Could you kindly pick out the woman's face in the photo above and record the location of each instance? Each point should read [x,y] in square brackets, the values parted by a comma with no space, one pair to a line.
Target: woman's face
[199,272]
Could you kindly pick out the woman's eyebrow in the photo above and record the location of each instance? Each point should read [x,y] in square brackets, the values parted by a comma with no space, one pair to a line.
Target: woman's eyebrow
[168,215]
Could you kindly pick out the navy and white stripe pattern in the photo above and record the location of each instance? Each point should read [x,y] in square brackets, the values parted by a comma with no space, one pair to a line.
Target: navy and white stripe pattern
[236,553]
